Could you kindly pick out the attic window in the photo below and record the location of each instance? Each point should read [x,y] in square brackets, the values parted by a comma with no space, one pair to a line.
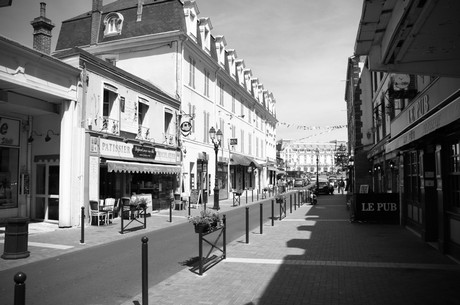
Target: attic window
[113,24]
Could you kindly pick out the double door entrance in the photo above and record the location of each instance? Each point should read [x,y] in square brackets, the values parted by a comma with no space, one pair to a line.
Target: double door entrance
[46,205]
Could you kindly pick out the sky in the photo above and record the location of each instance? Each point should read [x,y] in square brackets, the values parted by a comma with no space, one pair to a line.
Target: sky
[298,49]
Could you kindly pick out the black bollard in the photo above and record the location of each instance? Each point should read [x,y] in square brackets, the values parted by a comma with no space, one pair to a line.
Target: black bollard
[20,288]
[290,207]
[188,206]
[170,211]
[224,237]
[273,212]
[261,218]
[145,271]
[247,225]
[82,238]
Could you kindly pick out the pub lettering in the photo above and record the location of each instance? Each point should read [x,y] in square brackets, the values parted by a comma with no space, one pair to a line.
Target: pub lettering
[379,207]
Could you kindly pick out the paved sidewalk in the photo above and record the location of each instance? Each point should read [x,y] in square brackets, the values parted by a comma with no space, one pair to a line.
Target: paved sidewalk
[316,256]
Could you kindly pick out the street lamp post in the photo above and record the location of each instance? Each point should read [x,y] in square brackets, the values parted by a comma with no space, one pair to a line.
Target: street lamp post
[216,138]
[317,171]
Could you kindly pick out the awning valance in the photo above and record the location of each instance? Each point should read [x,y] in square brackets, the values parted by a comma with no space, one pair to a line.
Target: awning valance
[236,159]
[271,168]
[134,167]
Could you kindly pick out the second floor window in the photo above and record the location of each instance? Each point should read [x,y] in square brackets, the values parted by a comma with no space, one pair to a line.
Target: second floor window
[168,121]
[191,81]
[233,102]
[142,108]
[206,83]
[221,94]
[110,96]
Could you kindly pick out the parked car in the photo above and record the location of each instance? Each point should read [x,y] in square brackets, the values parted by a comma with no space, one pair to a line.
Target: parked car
[300,182]
[325,187]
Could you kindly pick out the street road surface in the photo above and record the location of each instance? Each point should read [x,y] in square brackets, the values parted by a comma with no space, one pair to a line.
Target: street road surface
[111,273]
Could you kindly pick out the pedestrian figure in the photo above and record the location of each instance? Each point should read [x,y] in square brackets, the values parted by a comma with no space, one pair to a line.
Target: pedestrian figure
[341,186]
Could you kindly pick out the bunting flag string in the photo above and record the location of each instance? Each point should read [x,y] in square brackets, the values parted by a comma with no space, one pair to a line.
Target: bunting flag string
[305,127]
[316,134]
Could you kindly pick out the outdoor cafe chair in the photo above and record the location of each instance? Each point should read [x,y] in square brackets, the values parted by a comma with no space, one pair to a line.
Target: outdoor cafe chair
[94,212]
[109,207]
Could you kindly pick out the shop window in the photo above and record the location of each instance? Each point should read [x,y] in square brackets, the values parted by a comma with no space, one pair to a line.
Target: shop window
[9,164]
[454,177]
[412,186]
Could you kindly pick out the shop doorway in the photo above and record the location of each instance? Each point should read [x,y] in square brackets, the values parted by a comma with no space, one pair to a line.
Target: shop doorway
[47,192]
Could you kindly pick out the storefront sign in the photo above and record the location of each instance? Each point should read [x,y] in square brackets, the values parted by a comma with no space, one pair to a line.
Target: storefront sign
[117,149]
[418,109]
[377,207]
[233,141]
[93,178]
[444,116]
[140,151]
[437,93]
[126,151]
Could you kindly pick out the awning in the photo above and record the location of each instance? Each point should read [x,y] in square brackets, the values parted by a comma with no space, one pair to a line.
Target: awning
[133,167]
[271,168]
[236,159]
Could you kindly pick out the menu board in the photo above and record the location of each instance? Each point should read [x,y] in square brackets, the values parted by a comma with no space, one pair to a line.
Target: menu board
[194,196]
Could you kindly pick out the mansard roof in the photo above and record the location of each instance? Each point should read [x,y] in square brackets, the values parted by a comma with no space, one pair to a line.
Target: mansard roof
[158,16]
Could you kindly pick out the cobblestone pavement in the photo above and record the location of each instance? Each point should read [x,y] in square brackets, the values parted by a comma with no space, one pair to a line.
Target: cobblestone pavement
[313,256]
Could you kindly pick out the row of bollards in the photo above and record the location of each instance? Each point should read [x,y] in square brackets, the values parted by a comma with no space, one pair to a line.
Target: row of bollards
[298,200]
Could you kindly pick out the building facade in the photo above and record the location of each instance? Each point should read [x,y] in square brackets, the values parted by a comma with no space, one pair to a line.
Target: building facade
[39,136]
[167,44]
[131,136]
[302,156]
[414,96]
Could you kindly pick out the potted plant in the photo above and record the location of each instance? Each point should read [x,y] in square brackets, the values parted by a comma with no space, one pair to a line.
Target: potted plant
[141,203]
[205,221]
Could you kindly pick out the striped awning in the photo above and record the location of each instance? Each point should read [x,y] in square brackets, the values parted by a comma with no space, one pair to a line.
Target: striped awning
[134,167]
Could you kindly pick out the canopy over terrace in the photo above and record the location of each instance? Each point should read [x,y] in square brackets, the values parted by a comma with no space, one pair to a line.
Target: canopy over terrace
[236,159]
[134,167]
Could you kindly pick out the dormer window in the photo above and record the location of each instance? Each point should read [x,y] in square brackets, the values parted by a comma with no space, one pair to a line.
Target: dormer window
[113,23]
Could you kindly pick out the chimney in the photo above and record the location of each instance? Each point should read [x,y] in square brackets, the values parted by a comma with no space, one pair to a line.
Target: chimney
[42,31]
[140,3]
[96,20]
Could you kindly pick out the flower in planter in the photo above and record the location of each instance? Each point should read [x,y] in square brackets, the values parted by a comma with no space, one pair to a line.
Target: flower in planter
[141,202]
[206,219]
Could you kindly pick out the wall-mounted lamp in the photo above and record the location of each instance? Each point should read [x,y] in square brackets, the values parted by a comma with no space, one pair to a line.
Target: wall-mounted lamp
[31,138]
[392,165]
[50,131]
